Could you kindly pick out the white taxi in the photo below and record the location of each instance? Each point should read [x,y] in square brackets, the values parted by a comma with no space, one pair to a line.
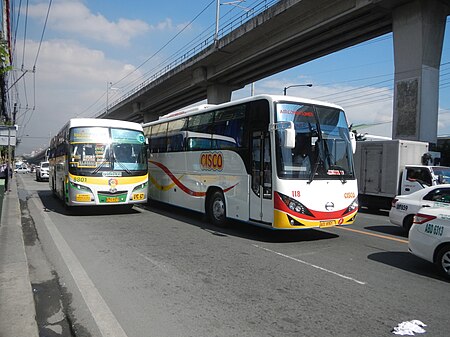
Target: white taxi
[429,237]
[404,207]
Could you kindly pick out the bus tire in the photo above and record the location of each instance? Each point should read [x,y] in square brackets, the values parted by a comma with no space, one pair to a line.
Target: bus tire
[54,188]
[217,209]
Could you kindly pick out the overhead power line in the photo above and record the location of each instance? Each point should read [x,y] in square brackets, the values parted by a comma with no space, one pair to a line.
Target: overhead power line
[167,43]
[42,35]
[25,36]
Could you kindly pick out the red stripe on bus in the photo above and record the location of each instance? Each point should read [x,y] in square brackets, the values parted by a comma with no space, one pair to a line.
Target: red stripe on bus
[317,215]
[180,184]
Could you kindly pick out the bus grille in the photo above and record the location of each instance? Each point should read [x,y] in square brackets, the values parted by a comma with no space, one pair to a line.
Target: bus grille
[111,194]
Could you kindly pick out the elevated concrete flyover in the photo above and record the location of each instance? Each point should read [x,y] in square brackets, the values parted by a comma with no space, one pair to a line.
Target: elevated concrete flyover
[292,32]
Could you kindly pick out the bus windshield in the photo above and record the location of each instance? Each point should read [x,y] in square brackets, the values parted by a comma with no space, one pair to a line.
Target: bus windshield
[322,143]
[101,151]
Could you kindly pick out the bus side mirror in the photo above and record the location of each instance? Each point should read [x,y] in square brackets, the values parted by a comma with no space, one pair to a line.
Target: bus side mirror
[353,141]
[289,137]
[288,130]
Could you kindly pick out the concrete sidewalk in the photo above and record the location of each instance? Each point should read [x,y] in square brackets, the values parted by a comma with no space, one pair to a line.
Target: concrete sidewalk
[17,310]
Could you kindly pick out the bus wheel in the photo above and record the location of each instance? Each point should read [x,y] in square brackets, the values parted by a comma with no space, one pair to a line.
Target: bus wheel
[217,209]
[54,189]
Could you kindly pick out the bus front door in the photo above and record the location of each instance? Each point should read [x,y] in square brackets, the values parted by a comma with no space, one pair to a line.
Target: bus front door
[261,204]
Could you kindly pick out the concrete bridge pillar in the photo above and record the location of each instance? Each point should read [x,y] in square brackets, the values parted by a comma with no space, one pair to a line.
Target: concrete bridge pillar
[218,93]
[418,30]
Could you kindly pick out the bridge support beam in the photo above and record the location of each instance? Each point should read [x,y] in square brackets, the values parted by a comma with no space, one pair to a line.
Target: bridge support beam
[418,30]
[218,93]
[150,116]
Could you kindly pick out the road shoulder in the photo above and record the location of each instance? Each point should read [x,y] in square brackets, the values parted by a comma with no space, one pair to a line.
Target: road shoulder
[17,314]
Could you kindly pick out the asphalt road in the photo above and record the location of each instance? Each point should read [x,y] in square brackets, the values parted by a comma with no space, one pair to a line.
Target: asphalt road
[161,271]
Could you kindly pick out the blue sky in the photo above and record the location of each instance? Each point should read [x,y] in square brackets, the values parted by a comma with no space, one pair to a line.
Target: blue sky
[90,43]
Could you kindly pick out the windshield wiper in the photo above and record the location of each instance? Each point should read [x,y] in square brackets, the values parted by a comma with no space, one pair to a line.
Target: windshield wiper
[99,167]
[341,172]
[318,149]
[330,159]
[122,166]
[314,170]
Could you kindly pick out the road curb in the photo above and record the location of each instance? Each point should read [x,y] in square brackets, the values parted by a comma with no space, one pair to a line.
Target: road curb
[17,314]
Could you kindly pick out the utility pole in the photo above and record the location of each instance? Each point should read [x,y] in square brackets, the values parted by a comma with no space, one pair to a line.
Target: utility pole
[14,114]
[9,153]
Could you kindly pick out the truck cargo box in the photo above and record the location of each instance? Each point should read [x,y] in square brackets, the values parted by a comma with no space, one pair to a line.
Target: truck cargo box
[378,164]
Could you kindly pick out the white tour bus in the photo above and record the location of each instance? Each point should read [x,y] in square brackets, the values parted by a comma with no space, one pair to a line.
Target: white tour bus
[276,161]
[99,162]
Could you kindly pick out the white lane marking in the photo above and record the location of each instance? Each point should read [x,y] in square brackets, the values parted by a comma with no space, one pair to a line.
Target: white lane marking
[103,316]
[157,264]
[310,264]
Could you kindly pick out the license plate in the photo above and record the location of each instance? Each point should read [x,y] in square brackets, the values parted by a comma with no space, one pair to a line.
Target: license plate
[83,197]
[327,223]
[112,199]
[138,196]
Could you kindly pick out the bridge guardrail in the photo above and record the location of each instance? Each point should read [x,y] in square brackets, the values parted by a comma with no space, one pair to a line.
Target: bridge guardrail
[209,41]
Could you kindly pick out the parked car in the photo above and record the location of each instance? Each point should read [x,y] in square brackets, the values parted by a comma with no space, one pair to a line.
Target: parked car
[429,237]
[404,207]
[42,171]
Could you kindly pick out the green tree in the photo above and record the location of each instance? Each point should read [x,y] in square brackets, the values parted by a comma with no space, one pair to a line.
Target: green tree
[4,58]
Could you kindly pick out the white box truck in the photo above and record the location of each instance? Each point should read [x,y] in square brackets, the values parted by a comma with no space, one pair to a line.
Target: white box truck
[386,168]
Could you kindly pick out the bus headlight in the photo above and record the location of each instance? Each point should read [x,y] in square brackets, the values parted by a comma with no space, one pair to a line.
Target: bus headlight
[140,187]
[353,206]
[80,187]
[295,205]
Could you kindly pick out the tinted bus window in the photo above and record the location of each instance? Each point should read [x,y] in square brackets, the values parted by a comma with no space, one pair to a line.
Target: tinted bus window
[230,122]
[175,139]
[159,140]
[201,123]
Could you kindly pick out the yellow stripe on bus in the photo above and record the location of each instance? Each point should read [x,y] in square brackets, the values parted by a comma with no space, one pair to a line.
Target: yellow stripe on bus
[104,180]
[160,187]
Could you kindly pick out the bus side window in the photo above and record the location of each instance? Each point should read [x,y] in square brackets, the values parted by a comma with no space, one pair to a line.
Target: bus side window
[175,143]
[201,123]
[159,139]
[175,136]
[197,143]
[230,123]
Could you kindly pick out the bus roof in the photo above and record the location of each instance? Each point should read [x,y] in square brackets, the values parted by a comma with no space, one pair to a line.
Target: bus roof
[205,108]
[80,122]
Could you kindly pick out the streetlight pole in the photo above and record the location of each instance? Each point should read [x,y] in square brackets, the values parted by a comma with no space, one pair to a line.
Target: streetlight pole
[108,88]
[108,84]
[107,97]
[233,3]
[216,32]
[296,85]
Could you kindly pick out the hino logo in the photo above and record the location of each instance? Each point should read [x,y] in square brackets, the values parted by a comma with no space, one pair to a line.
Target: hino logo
[329,206]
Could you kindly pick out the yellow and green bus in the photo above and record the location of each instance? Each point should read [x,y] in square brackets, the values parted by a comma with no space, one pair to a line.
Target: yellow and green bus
[99,162]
